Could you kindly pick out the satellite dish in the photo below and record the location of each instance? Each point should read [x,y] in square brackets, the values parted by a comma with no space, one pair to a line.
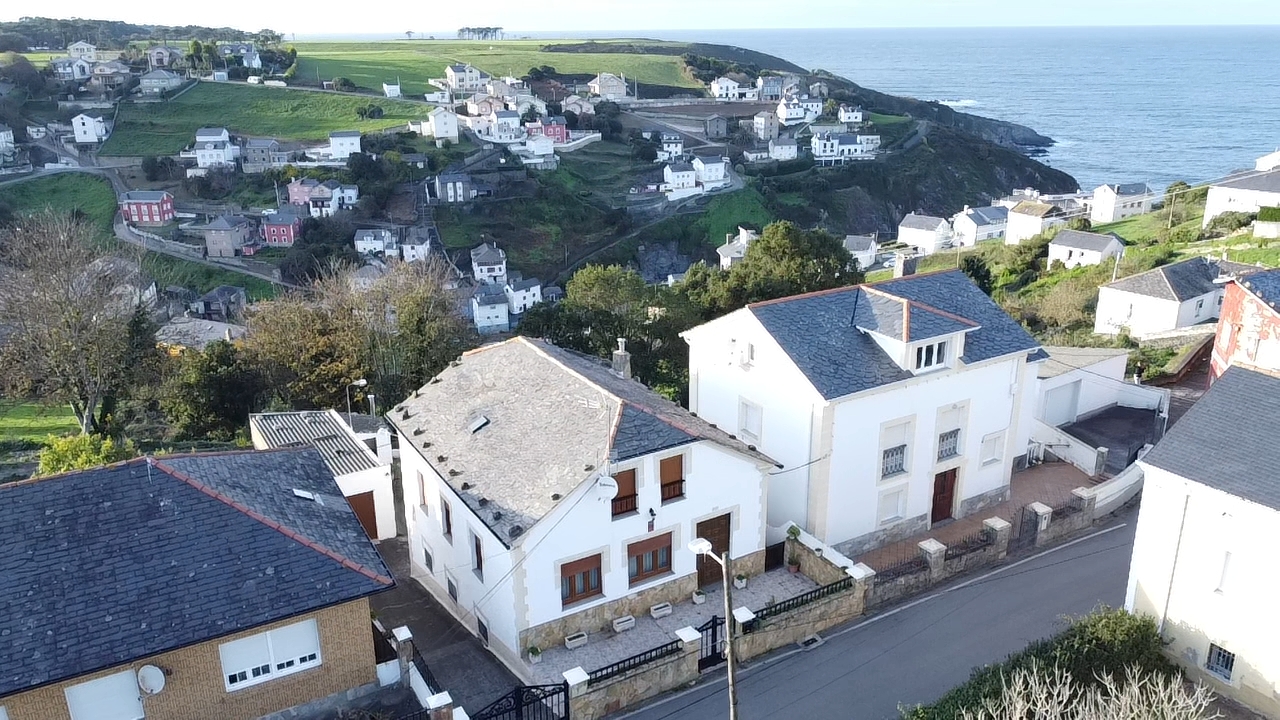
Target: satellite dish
[150,679]
[608,488]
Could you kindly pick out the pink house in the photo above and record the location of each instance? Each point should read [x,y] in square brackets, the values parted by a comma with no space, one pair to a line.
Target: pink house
[555,128]
[147,207]
[281,230]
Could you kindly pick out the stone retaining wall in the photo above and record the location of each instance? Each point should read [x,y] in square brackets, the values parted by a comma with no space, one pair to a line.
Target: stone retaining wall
[588,702]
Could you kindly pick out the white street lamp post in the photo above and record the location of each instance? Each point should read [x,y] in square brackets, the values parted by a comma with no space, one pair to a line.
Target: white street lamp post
[701,546]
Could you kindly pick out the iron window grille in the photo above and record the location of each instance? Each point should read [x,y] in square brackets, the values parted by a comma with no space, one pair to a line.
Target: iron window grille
[1220,662]
[895,461]
[948,444]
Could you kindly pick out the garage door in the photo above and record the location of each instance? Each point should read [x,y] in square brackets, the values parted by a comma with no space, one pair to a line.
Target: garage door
[362,504]
[114,697]
[1061,404]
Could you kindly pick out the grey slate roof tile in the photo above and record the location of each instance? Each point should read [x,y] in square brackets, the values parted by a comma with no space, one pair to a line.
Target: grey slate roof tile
[921,222]
[105,566]
[1181,280]
[1264,284]
[1080,240]
[1262,182]
[1227,439]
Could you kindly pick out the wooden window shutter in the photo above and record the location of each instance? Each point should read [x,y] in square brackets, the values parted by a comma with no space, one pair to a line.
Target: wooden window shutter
[671,469]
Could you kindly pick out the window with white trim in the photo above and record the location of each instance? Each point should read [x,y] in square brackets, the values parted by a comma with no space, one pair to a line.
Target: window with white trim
[1220,662]
[112,697]
[275,653]
[750,420]
[992,448]
[893,449]
[891,506]
[931,356]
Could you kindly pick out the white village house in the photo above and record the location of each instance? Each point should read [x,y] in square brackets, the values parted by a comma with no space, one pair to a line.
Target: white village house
[1117,202]
[548,494]
[735,247]
[490,310]
[711,169]
[1246,193]
[1029,218]
[925,233]
[89,128]
[892,406]
[863,249]
[442,125]
[343,144]
[765,125]
[973,225]
[783,149]
[1202,561]
[1166,298]
[1074,248]
[608,86]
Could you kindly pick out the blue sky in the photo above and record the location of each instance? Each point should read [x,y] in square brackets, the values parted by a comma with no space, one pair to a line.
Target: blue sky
[442,17]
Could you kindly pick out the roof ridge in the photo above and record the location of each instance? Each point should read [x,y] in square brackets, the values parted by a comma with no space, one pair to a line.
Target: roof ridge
[944,313]
[287,532]
[844,288]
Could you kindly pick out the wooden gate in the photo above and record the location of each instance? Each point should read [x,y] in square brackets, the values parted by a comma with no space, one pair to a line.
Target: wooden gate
[362,505]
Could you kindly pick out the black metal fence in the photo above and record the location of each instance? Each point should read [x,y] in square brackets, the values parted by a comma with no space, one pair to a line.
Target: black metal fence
[610,671]
[1068,507]
[529,702]
[795,603]
[426,673]
[970,543]
[910,566]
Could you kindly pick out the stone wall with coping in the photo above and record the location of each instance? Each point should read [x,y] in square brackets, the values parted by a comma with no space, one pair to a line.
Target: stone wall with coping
[816,617]
[1083,506]
[937,568]
[588,702]
[819,562]
[879,538]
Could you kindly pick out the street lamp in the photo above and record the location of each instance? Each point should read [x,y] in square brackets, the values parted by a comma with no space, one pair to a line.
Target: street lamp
[358,383]
[702,546]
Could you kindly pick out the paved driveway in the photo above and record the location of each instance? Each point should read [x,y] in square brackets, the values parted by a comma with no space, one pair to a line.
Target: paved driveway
[471,674]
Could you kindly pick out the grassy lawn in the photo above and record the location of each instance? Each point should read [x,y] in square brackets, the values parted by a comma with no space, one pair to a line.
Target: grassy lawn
[726,212]
[369,65]
[602,168]
[878,119]
[41,59]
[34,422]
[166,128]
[1146,229]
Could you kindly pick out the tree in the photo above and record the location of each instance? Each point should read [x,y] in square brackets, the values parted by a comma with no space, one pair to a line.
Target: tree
[611,289]
[1080,223]
[343,84]
[76,320]
[80,452]
[408,34]
[978,271]
[788,261]
[13,42]
[212,393]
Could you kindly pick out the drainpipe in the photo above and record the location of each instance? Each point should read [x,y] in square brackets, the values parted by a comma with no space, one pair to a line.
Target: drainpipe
[1173,571]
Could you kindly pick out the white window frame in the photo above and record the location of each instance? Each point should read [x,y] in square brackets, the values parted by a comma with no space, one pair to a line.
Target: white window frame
[900,514]
[744,413]
[932,356]
[273,665]
[996,441]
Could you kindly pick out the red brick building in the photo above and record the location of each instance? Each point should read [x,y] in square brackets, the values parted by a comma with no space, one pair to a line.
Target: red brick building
[281,230]
[147,207]
[555,128]
[1249,325]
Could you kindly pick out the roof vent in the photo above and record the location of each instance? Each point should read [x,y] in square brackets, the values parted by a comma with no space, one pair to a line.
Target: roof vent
[304,494]
[515,531]
[418,431]
[442,458]
[466,486]
[454,473]
[483,502]
[478,424]
[588,467]
[555,496]
[497,516]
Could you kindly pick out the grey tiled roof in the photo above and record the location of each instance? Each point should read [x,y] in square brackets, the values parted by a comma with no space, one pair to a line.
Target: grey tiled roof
[990,215]
[921,222]
[1264,182]
[524,283]
[262,143]
[344,133]
[226,222]
[490,295]
[1181,280]
[681,167]
[1227,440]
[487,254]
[859,243]
[555,419]
[1036,209]
[1265,284]
[1124,189]
[1084,240]
[819,334]
[106,566]
[323,430]
[144,195]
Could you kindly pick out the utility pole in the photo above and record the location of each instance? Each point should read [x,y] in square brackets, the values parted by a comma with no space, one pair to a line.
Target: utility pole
[729,658]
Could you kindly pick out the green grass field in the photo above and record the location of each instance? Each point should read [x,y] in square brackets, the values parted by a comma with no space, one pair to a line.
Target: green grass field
[41,59]
[34,422]
[166,128]
[369,65]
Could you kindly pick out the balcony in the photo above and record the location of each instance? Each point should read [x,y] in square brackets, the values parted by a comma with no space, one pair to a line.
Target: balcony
[625,504]
[672,490]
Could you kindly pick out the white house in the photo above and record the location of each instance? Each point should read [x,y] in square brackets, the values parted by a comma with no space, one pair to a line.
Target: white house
[378,241]
[577,105]
[812,106]
[522,294]
[1117,202]
[1270,161]
[505,127]
[973,225]
[850,114]
[391,90]
[925,233]
[489,264]
[891,406]
[1202,561]
[1029,218]
[82,50]
[791,112]
[548,494]
[7,145]
[735,247]
[464,78]
[1245,193]
[679,180]
[364,480]
[71,68]
[672,146]
[711,171]
[158,81]
[765,125]
[1167,298]
[442,125]
[343,144]
[252,60]
[863,249]
[213,148]
[489,310]
[89,128]
[608,86]
[1074,248]
[723,88]
[783,149]
[839,148]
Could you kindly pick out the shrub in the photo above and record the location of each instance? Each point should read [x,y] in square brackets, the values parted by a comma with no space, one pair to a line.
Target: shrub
[77,452]
[1229,222]
[1269,214]
[1183,234]
[343,84]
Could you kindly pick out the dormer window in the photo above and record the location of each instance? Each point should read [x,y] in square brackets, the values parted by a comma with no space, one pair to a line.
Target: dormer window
[931,356]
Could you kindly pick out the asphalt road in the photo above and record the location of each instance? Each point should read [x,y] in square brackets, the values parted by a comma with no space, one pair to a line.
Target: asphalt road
[916,652]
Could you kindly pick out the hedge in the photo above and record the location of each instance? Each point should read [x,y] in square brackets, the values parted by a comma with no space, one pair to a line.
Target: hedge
[1269,214]
[1105,642]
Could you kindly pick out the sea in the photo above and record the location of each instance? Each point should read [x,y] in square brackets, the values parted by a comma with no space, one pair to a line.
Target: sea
[1123,104]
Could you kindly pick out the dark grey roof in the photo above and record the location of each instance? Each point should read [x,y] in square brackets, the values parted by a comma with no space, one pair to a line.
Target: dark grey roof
[921,222]
[1263,182]
[263,143]
[1123,189]
[681,167]
[362,424]
[1227,440]
[1181,280]
[226,222]
[1084,240]
[344,133]
[487,254]
[106,566]
[322,429]
[903,320]
[859,243]
[223,293]
[552,420]
[490,295]
[989,215]
[1265,284]
[524,283]
[144,195]
[818,330]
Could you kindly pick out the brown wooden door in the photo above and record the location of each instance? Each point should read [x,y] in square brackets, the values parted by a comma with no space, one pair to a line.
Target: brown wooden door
[717,531]
[944,492]
[362,505]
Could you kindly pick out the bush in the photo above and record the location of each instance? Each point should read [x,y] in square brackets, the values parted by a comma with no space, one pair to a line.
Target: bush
[1269,214]
[1106,642]
[343,84]
[77,452]
[1183,234]
[1229,222]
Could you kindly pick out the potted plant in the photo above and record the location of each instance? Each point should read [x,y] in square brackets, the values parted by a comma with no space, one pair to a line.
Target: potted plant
[740,581]
[793,557]
[535,654]
[699,597]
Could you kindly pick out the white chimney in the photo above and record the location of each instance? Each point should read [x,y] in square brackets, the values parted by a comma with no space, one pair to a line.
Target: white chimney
[622,360]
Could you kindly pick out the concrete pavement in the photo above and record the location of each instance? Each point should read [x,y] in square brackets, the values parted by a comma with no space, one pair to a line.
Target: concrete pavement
[916,652]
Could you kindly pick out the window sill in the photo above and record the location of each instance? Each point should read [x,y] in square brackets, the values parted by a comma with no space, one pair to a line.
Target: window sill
[673,500]
[891,521]
[952,456]
[579,603]
[448,537]
[993,461]
[648,580]
[277,675]
[479,574]
[626,515]
[893,475]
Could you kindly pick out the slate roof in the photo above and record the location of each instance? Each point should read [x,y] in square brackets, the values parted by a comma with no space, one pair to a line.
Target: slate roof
[1181,280]
[223,294]
[210,131]
[990,215]
[263,143]
[323,430]
[144,195]
[859,243]
[490,295]
[1263,182]
[344,133]
[226,222]
[1035,209]
[1080,240]
[819,331]
[1128,189]
[555,419]
[487,254]
[1227,439]
[1264,284]
[197,334]
[524,284]
[681,167]
[106,566]
[913,221]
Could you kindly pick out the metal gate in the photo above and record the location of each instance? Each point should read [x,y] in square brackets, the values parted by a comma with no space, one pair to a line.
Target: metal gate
[1024,536]
[711,653]
[529,702]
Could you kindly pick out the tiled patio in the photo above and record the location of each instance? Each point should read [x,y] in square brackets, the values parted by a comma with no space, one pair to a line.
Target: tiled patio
[607,647]
[1050,483]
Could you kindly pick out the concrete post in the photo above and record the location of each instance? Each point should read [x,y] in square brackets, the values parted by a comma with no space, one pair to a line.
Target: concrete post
[1000,529]
[1043,515]
[440,706]
[404,652]
[577,679]
[934,553]
[1085,500]
[691,639]
[864,579]
[1100,462]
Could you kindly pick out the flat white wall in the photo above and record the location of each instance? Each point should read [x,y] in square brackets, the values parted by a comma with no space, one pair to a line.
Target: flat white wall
[927,241]
[1075,257]
[378,481]
[1142,314]
[854,481]
[1021,227]
[1101,384]
[719,382]
[1201,309]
